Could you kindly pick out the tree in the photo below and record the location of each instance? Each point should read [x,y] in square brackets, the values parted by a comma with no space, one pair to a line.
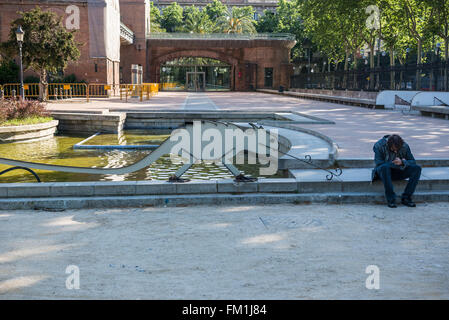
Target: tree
[236,20]
[268,23]
[196,21]
[439,25]
[416,16]
[47,46]
[9,71]
[172,18]
[215,10]
[155,19]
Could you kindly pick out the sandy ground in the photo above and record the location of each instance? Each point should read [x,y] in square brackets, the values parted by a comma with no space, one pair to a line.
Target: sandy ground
[232,252]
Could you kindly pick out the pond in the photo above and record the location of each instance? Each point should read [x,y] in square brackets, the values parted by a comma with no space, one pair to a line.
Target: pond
[59,151]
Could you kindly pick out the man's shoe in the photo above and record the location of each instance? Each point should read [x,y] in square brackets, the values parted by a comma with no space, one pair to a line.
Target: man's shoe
[392,204]
[408,203]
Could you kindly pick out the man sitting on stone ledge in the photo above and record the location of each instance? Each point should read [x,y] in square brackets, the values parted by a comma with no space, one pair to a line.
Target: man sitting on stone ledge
[395,161]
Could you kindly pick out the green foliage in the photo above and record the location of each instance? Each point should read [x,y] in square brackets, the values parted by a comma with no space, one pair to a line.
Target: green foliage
[172,17]
[236,20]
[9,71]
[47,46]
[155,19]
[12,109]
[196,21]
[215,10]
[286,19]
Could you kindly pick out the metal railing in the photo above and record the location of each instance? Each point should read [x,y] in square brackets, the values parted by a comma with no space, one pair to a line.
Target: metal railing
[426,77]
[100,90]
[221,36]
[13,90]
[62,91]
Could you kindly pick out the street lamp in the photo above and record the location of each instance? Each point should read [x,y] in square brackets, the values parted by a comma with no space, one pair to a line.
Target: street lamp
[19,35]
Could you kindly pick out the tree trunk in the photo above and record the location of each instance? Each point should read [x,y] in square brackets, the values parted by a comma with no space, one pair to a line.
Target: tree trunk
[355,82]
[418,66]
[446,56]
[43,85]
[392,73]
[345,72]
[371,66]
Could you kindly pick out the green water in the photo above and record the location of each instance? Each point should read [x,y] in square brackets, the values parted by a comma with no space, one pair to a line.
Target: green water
[59,151]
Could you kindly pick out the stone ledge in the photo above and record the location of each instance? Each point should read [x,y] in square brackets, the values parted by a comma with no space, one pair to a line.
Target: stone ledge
[207,199]
[28,132]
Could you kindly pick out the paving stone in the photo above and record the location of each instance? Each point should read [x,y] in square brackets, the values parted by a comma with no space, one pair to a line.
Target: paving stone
[229,186]
[278,185]
[155,187]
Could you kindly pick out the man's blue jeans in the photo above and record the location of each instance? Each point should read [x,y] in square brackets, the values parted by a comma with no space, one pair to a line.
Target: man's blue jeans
[387,173]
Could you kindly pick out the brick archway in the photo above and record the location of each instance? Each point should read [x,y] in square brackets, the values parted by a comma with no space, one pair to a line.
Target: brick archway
[157,62]
[248,58]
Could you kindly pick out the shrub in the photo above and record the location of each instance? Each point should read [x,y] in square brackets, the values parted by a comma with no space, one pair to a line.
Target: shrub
[3,115]
[17,109]
[9,72]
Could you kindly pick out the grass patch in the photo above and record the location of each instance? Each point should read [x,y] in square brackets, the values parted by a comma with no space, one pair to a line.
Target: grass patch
[25,121]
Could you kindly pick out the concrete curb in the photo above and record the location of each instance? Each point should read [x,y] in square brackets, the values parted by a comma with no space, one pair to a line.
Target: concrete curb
[28,133]
[57,204]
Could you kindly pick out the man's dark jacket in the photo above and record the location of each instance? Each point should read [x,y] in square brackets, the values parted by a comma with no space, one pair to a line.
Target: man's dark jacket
[383,155]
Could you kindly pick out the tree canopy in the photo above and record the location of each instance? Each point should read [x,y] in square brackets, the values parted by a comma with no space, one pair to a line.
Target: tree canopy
[47,45]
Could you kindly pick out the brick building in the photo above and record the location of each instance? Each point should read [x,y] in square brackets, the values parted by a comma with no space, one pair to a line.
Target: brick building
[115,34]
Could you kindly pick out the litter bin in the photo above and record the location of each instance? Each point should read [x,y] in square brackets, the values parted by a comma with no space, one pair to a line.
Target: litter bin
[281,89]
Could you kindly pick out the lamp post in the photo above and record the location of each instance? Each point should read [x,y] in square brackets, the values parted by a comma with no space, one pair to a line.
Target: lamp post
[19,35]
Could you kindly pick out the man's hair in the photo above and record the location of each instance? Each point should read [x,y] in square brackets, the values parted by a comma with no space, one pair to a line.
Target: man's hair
[395,140]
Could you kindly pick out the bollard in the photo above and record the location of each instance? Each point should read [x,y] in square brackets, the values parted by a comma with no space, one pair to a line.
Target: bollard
[13,93]
[56,93]
[2,94]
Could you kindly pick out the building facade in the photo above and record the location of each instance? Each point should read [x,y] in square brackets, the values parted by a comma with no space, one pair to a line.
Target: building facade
[114,36]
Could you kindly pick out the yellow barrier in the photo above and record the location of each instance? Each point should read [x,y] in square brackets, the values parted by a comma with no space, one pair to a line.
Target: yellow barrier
[138,90]
[100,90]
[31,90]
[168,85]
[130,90]
[67,91]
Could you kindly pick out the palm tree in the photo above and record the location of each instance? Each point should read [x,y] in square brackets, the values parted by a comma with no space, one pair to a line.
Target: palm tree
[235,21]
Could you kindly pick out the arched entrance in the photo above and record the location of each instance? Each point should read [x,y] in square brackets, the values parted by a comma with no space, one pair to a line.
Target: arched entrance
[248,57]
[200,64]
[195,74]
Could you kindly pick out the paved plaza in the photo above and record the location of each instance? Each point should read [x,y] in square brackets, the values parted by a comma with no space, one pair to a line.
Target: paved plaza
[355,130]
[277,251]
[228,252]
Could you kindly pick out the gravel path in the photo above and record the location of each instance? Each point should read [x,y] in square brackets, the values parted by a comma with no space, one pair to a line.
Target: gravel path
[231,252]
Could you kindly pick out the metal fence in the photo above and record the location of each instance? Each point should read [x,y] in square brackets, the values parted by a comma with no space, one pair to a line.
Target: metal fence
[426,77]
[221,36]
[63,91]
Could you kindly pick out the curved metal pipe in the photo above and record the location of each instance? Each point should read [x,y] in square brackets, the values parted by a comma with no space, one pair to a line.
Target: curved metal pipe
[22,168]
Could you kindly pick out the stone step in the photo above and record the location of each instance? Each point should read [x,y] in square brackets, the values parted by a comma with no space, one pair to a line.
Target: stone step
[359,180]
[369,162]
[302,181]
[63,203]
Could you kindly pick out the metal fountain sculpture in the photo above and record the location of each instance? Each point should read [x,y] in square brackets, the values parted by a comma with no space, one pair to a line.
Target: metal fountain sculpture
[265,142]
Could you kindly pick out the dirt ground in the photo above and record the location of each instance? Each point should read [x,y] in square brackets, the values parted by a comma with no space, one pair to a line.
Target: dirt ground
[231,252]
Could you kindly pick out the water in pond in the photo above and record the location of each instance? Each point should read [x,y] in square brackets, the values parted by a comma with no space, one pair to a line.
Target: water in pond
[59,151]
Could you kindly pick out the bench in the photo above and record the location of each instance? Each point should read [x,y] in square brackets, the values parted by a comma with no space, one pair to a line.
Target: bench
[433,111]
[367,103]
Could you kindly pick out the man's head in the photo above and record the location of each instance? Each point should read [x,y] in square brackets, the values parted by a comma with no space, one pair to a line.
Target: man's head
[395,143]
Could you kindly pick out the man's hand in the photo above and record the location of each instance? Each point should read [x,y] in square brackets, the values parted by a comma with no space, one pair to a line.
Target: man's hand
[397,162]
